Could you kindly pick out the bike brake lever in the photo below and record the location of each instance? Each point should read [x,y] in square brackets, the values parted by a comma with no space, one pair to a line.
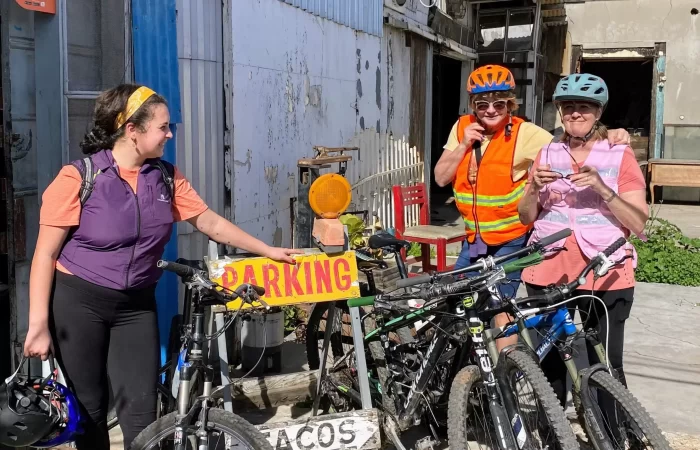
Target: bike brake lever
[495,278]
[605,266]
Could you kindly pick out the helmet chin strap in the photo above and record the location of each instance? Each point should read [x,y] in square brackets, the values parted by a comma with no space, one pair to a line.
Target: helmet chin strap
[587,136]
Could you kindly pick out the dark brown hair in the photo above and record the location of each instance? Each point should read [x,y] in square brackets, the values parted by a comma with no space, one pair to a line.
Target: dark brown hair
[108,105]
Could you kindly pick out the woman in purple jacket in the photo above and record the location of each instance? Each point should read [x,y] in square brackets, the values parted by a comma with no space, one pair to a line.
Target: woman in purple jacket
[93,276]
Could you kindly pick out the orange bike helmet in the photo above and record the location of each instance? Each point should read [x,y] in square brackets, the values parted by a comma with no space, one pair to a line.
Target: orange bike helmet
[490,78]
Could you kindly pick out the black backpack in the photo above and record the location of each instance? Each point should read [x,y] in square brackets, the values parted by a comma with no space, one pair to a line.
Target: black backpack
[88,174]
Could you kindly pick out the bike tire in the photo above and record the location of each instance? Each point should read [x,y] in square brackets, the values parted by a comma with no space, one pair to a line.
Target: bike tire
[603,381]
[517,360]
[379,359]
[458,410]
[312,332]
[218,419]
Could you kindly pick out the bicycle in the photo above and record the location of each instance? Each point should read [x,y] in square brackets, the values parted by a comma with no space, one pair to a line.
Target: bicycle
[556,320]
[197,419]
[458,341]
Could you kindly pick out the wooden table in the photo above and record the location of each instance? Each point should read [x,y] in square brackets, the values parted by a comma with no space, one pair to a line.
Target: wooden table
[673,172]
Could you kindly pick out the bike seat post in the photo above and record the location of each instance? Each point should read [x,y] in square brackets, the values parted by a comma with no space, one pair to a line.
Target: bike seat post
[403,271]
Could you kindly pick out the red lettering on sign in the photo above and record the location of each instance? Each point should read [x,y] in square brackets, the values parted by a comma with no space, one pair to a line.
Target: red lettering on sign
[323,275]
[249,276]
[342,282]
[291,279]
[307,275]
[229,278]
[271,276]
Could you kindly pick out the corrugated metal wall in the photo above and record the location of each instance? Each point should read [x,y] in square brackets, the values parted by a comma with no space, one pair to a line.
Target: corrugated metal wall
[361,15]
[200,145]
[155,64]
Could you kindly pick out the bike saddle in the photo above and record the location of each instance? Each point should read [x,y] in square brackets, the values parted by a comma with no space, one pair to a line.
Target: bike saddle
[371,264]
[194,263]
[377,241]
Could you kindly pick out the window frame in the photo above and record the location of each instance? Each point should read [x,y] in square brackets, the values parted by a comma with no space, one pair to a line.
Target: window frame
[82,94]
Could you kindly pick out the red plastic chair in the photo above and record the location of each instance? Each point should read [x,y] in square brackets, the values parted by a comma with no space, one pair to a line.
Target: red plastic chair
[424,233]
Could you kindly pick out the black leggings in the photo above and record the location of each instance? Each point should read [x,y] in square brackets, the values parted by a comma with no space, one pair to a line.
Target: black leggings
[97,331]
[619,305]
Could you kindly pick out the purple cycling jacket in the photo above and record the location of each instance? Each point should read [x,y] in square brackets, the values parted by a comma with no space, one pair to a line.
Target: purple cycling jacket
[121,235]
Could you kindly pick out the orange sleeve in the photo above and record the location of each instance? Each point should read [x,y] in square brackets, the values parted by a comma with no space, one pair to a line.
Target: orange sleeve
[187,203]
[60,204]
[631,177]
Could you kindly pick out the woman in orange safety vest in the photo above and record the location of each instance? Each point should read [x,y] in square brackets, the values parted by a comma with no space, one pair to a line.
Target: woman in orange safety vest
[486,159]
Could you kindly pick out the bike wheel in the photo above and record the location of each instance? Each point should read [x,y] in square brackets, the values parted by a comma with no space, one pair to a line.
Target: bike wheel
[545,421]
[341,339]
[622,417]
[469,422]
[240,434]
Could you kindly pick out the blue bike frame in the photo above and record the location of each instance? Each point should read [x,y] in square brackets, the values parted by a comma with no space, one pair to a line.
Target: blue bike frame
[558,322]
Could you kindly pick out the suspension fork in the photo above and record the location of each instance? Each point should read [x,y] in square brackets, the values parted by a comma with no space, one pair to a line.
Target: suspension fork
[498,412]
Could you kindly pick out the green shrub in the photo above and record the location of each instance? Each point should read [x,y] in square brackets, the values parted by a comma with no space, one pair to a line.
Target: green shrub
[668,256]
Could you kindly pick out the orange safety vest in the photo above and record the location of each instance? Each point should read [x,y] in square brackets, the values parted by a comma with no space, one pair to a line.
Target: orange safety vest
[490,206]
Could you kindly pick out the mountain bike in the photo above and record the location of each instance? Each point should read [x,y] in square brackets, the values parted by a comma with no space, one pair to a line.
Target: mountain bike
[197,421]
[414,380]
[608,426]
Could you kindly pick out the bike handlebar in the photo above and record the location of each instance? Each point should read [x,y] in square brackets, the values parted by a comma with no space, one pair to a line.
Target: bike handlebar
[179,269]
[560,292]
[481,264]
[190,272]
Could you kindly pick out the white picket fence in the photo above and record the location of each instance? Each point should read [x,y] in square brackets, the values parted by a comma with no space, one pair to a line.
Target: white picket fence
[382,162]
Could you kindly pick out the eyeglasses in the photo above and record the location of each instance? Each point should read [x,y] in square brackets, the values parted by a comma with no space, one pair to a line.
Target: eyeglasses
[483,105]
[558,197]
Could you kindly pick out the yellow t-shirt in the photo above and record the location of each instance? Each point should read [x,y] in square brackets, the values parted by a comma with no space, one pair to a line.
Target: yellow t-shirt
[530,140]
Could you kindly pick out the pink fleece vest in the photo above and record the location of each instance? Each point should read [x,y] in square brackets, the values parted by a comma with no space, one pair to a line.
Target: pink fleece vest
[565,205]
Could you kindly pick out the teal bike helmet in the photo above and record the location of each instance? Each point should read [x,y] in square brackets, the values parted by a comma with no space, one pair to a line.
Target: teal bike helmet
[582,86]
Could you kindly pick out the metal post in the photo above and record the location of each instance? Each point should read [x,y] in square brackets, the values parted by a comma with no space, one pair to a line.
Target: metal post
[322,372]
[223,362]
[358,341]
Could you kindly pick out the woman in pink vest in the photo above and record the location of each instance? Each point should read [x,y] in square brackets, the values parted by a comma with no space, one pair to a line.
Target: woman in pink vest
[599,192]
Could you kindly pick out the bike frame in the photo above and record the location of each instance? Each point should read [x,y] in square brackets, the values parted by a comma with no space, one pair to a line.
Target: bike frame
[558,323]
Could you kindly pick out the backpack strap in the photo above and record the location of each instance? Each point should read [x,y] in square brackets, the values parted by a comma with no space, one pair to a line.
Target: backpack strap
[168,171]
[87,173]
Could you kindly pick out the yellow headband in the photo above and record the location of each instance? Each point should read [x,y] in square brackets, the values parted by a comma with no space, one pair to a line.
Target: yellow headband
[135,101]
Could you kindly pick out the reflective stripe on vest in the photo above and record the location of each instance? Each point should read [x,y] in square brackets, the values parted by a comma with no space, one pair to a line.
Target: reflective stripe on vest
[490,207]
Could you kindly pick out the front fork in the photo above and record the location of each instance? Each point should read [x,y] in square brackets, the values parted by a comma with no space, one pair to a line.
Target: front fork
[500,397]
[186,411]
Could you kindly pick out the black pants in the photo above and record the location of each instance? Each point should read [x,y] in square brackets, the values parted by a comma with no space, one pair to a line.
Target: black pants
[619,305]
[98,331]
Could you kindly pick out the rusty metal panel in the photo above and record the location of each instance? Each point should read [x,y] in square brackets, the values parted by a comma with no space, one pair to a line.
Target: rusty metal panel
[360,15]
[200,137]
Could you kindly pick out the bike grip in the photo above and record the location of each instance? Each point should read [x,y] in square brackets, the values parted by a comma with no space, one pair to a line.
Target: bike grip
[179,269]
[412,281]
[552,238]
[361,301]
[615,246]
[521,263]
[258,290]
